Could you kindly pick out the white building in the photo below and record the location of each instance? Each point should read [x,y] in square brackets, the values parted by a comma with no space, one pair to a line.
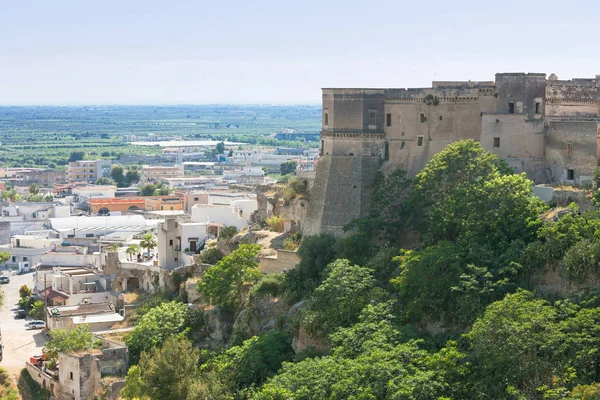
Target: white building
[237,214]
[95,192]
[26,250]
[115,228]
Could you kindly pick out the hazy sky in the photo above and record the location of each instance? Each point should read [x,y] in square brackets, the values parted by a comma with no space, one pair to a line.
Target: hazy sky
[173,51]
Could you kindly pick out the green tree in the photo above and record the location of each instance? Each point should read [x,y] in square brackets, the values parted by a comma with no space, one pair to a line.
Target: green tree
[24,292]
[34,188]
[69,340]
[147,190]
[531,347]
[155,326]
[132,176]
[4,256]
[223,283]
[76,156]
[288,167]
[316,252]
[118,176]
[450,177]
[220,148]
[148,242]
[402,372]
[338,301]
[104,181]
[254,361]
[165,372]
[132,250]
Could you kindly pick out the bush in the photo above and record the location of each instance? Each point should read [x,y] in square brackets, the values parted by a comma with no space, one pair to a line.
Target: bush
[316,252]
[269,285]
[210,256]
[275,223]
[37,310]
[581,260]
[292,242]
[227,232]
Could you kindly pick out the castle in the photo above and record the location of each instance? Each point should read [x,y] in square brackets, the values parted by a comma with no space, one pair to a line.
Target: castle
[545,127]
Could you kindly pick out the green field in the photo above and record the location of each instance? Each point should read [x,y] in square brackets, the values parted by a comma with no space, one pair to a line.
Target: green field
[45,136]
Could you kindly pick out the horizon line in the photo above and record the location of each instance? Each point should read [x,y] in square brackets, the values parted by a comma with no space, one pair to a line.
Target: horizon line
[283,104]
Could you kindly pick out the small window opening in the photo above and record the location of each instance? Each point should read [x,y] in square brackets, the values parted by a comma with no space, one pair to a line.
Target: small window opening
[496,142]
[386,151]
[171,242]
[571,174]
[326,118]
[401,145]
[388,119]
[322,146]
[419,141]
[372,117]
[441,118]
[511,108]
[537,107]
[422,118]
[71,375]
[569,149]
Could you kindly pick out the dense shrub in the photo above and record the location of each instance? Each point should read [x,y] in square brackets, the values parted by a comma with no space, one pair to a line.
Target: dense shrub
[268,285]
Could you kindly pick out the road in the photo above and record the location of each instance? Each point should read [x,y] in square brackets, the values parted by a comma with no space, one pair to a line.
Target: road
[19,343]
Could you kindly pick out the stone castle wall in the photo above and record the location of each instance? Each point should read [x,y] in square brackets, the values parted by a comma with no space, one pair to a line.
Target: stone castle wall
[544,127]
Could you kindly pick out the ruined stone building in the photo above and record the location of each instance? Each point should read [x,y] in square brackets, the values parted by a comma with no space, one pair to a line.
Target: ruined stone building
[547,128]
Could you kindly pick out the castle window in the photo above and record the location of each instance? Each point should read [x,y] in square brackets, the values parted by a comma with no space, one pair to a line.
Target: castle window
[569,149]
[372,117]
[386,150]
[388,119]
[326,118]
[570,174]
[441,118]
[496,142]
[170,242]
[322,147]
[401,145]
[537,107]
[419,141]
[71,375]
[422,118]
[511,108]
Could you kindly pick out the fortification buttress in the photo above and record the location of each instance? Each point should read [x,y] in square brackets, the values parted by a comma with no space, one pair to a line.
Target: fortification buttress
[546,128]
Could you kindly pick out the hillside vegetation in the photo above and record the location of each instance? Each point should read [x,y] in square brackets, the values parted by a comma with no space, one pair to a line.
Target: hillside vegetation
[460,316]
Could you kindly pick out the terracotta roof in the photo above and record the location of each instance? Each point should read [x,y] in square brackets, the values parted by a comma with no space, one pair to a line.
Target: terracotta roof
[51,294]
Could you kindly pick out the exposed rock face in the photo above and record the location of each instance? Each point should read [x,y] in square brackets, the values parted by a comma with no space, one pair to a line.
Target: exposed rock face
[218,325]
[260,317]
[304,340]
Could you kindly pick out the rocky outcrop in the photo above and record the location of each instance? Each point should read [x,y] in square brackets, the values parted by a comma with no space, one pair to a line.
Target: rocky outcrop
[260,317]
[218,326]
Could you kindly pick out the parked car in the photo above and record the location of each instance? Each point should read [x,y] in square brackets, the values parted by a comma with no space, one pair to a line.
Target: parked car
[4,279]
[20,314]
[35,325]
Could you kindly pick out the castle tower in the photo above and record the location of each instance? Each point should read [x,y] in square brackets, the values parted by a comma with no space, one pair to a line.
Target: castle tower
[352,149]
